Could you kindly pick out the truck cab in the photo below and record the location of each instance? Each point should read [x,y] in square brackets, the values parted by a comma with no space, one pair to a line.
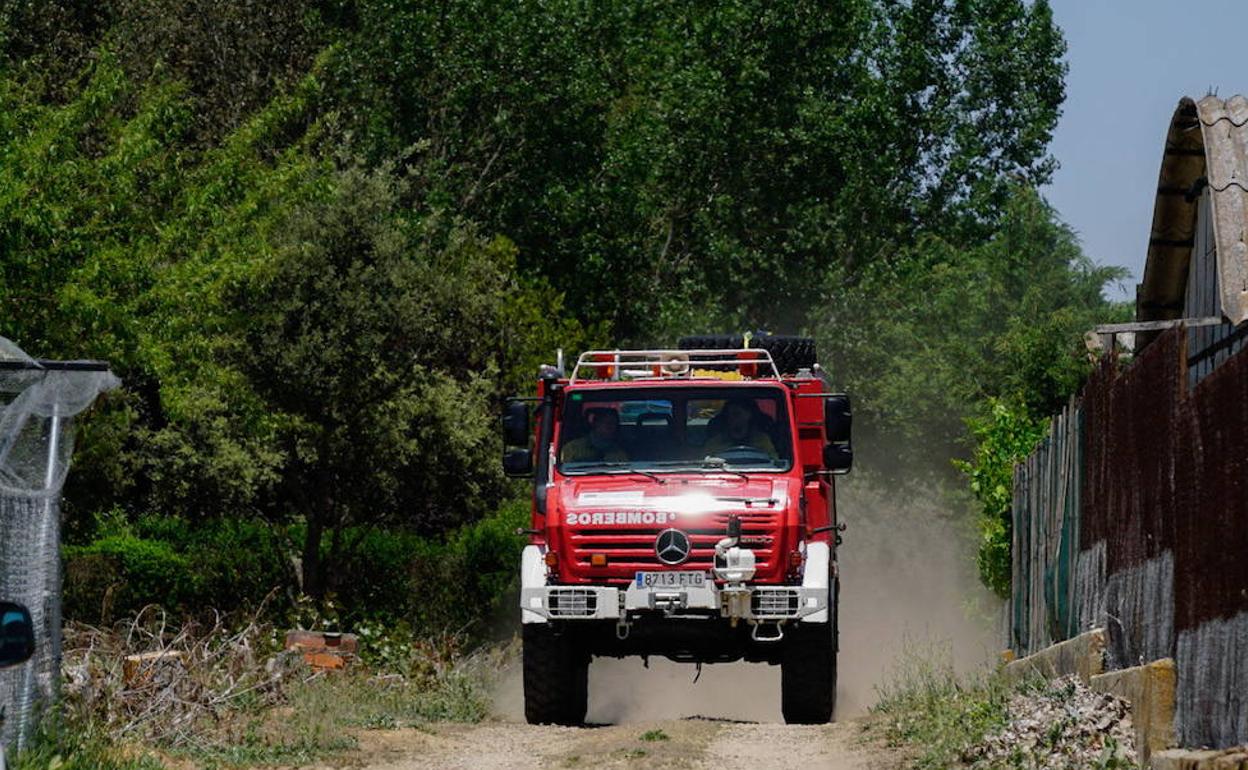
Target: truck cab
[684,506]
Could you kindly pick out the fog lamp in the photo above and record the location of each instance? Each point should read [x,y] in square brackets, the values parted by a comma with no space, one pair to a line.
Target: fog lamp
[552,559]
[737,566]
[598,560]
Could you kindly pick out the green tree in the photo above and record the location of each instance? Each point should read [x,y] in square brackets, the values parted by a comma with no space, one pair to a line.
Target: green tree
[281,319]
[928,339]
[373,335]
[677,167]
[174,198]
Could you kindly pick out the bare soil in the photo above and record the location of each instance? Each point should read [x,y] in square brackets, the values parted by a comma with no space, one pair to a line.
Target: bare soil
[651,717]
[685,743]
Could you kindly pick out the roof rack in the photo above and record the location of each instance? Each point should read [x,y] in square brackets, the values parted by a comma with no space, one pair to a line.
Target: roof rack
[670,364]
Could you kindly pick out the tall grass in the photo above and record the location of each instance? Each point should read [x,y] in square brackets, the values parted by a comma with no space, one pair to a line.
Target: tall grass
[926,707]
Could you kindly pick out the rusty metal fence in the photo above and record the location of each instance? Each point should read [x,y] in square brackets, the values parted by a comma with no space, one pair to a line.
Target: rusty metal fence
[1045,602]
[1133,515]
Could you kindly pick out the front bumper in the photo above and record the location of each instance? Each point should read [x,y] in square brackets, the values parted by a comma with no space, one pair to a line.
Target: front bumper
[751,603]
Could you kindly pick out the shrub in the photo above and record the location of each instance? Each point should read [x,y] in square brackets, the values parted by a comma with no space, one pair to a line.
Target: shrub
[469,584]
[119,572]
[464,584]
[1005,437]
[224,564]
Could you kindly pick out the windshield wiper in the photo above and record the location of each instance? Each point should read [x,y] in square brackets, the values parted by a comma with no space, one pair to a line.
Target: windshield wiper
[719,464]
[623,468]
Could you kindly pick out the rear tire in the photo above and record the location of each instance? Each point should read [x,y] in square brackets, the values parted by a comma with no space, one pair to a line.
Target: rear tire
[789,352]
[808,673]
[556,677]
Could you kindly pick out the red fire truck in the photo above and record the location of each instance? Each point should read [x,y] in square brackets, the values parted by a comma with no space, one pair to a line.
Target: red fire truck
[683,505]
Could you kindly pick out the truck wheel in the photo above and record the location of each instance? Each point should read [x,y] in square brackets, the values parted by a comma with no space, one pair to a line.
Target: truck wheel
[789,352]
[808,673]
[556,677]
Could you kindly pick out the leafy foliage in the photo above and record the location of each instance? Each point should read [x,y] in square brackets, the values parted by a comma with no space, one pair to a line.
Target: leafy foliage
[463,584]
[319,239]
[284,320]
[1002,439]
[929,339]
[679,167]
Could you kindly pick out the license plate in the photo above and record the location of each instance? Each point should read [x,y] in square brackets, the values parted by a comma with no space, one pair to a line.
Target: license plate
[671,579]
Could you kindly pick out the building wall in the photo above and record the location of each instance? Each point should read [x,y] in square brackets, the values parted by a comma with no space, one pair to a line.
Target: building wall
[1202,300]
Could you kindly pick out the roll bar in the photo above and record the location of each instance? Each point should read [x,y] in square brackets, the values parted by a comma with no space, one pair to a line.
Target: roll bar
[670,364]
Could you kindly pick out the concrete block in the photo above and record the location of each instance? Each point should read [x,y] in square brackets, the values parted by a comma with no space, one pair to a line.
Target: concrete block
[1150,691]
[1084,656]
[1207,759]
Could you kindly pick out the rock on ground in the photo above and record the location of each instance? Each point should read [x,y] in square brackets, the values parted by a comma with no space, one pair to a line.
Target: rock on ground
[1061,724]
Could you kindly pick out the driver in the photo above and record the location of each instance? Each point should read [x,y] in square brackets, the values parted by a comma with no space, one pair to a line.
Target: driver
[739,430]
[601,444]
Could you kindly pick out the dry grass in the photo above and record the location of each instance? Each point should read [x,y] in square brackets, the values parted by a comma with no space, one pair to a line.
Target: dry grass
[202,674]
[226,694]
[938,719]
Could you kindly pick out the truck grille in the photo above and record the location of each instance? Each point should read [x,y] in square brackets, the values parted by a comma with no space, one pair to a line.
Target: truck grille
[775,602]
[572,603]
[631,549]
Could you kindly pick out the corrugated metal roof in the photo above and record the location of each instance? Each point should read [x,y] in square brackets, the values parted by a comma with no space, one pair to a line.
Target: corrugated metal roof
[1207,144]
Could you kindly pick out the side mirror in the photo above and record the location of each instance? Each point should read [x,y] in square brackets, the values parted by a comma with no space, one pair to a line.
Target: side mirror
[518,463]
[17,634]
[838,419]
[516,431]
[838,458]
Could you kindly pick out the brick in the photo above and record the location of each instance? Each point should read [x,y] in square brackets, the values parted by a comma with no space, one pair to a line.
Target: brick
[325,661]
[318,641]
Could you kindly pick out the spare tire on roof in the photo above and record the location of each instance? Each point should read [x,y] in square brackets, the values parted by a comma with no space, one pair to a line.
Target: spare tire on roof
[790,352]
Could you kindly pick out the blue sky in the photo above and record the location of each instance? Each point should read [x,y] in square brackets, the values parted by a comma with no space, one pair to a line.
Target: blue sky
[1130,62]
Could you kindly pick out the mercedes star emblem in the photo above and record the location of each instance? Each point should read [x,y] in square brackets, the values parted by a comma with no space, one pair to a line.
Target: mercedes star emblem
[672,546]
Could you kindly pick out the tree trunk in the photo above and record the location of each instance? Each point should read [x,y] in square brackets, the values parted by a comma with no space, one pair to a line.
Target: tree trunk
[313,585]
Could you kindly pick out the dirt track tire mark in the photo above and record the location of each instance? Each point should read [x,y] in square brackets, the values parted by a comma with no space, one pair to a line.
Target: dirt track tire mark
[753,746]
[694,744]
[495,746]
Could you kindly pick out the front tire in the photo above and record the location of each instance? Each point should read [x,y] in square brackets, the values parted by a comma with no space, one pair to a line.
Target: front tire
[556,677]
[808,672]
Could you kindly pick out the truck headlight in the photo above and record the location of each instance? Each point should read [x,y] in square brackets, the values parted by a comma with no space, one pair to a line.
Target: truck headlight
[737,566]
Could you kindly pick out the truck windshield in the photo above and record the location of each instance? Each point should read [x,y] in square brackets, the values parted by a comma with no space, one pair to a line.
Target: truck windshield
[675,429]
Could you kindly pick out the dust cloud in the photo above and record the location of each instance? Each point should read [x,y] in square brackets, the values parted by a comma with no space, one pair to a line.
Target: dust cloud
[907,578]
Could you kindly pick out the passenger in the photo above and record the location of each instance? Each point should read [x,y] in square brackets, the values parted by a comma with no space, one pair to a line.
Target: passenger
[739,430]
[601,444]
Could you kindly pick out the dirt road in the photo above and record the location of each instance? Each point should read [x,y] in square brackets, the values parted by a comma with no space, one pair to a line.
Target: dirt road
[654,717]
[684,743]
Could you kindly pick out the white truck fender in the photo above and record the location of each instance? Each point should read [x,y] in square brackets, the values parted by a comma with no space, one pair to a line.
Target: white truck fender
[532,575]
[816,574]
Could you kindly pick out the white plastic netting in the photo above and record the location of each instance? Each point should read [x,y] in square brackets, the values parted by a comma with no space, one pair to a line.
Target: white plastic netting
[38,401]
